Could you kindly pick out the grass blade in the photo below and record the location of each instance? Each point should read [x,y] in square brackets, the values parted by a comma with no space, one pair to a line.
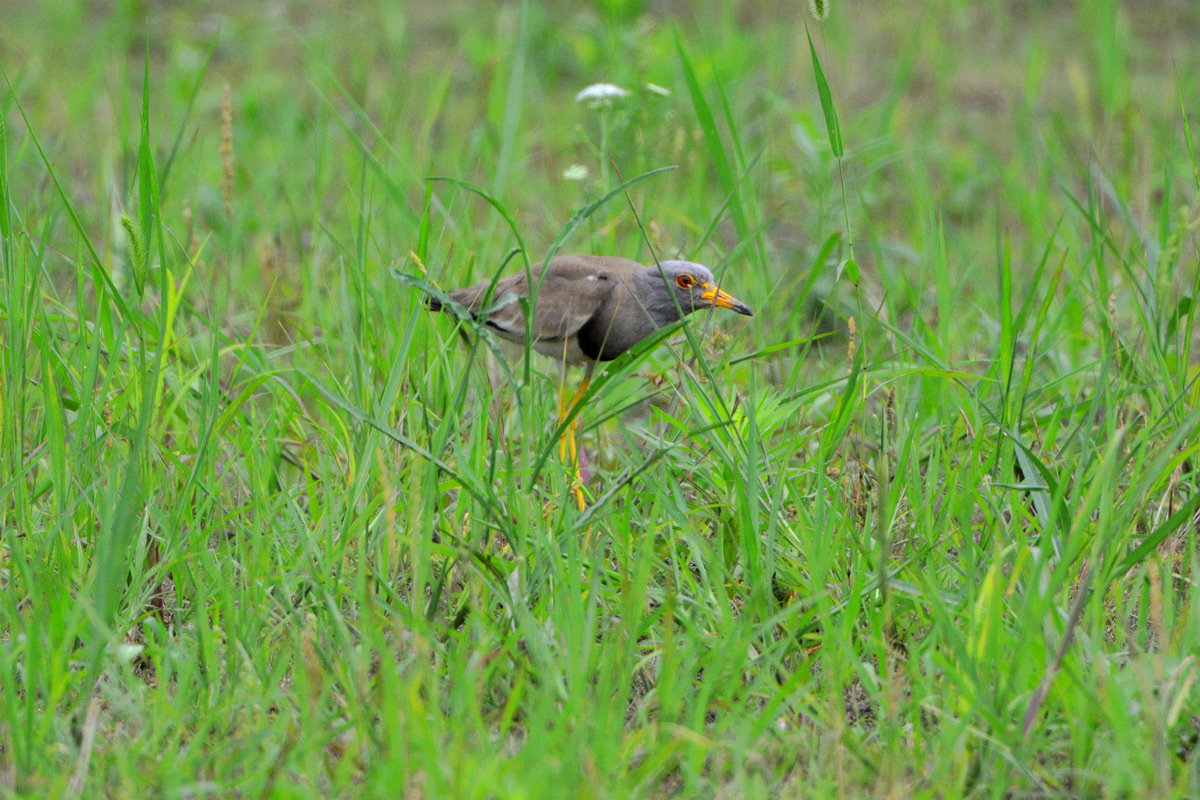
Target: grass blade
[832,127]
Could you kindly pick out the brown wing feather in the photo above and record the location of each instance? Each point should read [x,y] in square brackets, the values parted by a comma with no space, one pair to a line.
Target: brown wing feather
[573,290]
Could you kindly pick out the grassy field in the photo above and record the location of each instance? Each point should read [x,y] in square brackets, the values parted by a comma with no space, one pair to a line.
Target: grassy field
[925,526]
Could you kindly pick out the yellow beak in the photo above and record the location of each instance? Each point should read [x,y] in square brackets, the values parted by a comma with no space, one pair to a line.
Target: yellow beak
[718,298]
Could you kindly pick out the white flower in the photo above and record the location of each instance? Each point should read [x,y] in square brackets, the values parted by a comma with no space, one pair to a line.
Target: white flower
[654,87]
[599,94]
[575,172]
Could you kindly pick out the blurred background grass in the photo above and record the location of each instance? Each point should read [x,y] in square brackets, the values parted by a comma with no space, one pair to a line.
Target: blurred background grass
[269,530]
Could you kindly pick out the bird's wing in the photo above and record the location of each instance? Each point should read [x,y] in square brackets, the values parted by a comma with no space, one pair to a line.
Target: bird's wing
[572,291]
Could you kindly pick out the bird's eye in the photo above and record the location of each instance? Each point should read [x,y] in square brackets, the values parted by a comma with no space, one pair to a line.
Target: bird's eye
[684,281]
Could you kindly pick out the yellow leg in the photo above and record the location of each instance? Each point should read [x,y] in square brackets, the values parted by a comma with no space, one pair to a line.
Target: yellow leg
[562,414]
[568,448]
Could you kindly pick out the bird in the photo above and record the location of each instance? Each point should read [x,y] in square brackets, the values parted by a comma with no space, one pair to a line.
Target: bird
[590,309]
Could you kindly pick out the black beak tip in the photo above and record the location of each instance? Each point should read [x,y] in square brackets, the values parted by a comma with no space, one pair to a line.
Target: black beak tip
[743,309]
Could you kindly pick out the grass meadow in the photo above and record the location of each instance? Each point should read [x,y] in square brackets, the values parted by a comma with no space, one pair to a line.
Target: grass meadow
[925,526]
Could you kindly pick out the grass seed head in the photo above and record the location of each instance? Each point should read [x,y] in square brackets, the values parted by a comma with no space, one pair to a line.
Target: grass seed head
[227,150]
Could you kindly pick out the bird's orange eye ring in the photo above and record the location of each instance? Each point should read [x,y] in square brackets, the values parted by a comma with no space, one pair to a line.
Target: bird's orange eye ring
[684,281]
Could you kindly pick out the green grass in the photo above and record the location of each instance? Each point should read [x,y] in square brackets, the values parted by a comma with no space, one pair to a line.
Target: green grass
[925,526]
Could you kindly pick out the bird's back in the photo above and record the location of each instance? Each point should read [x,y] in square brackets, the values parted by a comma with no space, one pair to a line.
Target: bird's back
[572,290]
[587,307]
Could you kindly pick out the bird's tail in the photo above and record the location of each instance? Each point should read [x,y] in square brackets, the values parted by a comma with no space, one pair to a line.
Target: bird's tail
[431,302]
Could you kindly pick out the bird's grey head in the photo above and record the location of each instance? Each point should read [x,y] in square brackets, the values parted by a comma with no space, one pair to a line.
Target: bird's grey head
[695,287]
